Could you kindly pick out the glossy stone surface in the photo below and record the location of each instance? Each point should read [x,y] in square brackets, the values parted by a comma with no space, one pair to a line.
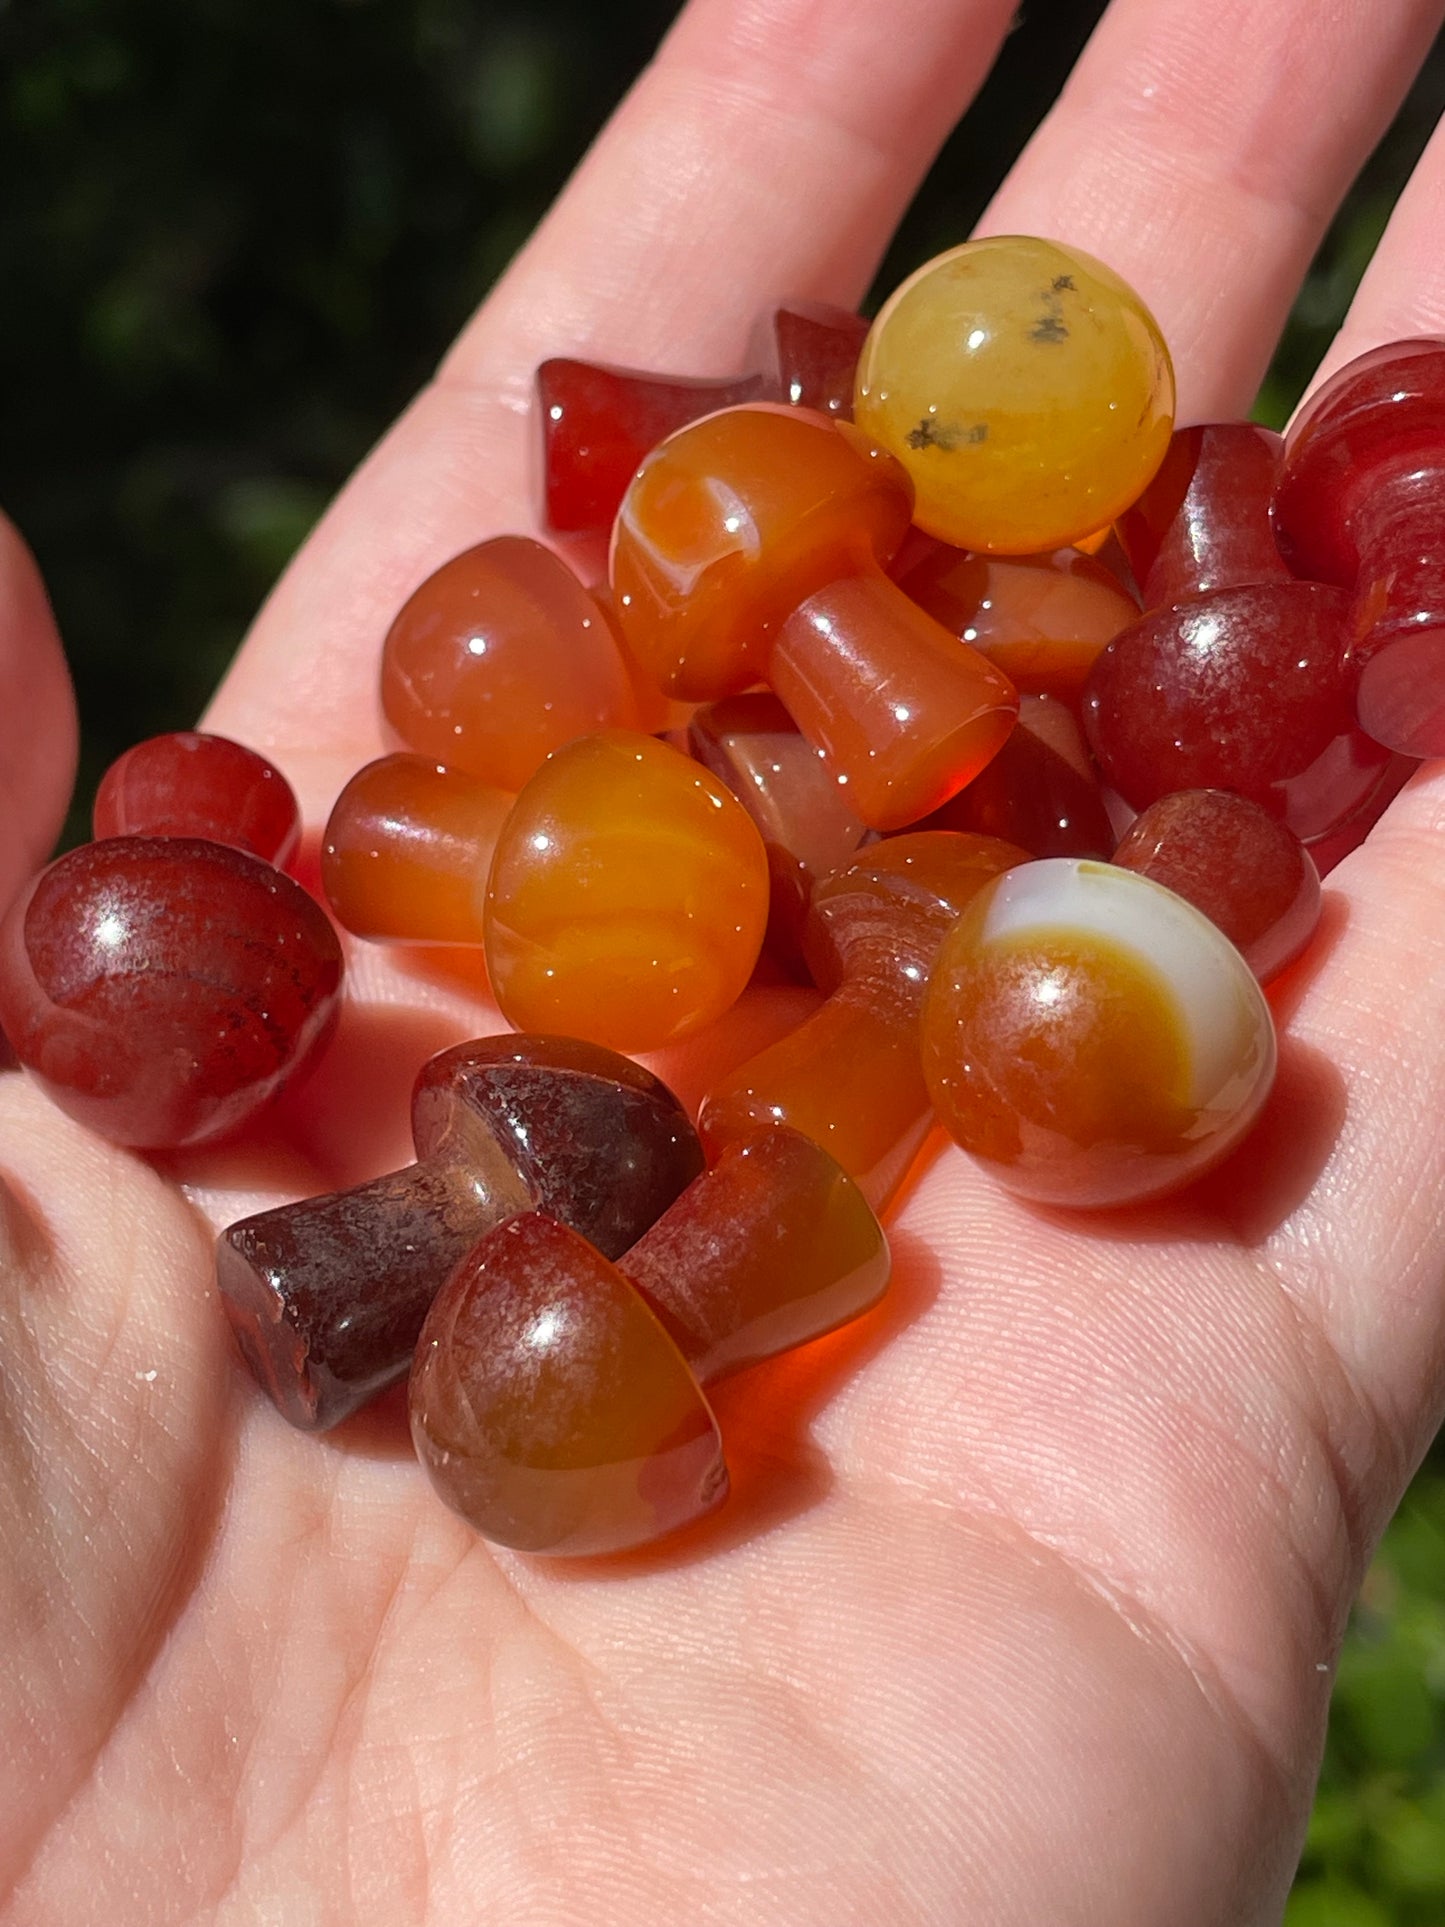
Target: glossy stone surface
[1092,1038]
[749,548]
[556,1399]
[1024,386]
[1204,522]
[162,990]
[772,1247]
[1358,503]
[1375,419]
[407,849]
[549,1406]
[1251,876]
[1327,851]
[849,1077]
[1242,690]
[802,811]
[1041,791]
[327,1296]
[808,353]
[628,896]
[1041,619]
[187,783]
[599,422]
[499,658]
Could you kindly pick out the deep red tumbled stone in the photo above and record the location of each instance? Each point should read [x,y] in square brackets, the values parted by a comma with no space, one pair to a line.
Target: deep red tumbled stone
[1041,791]
[327,1296]
[1204,522]
[187,783]
[163,989]
[1359,502]
[1242,690]
[1251,876]
[808,352]
[599,422]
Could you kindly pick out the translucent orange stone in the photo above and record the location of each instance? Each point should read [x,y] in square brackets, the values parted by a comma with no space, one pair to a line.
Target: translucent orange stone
[550,1407]
[1042,619]
[1026,389]
[749,549]
[499,658]
[556,1399]
[772,1247]
[407,849]
[802,811]
[1091,1037]
[628,896]
[850,1077]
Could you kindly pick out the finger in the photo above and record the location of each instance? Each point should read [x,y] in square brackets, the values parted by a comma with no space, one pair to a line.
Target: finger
[1402,291]
[770,149]
[37,718]
[1201,152]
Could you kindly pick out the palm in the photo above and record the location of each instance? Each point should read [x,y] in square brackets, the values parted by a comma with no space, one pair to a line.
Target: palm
[1025,1604]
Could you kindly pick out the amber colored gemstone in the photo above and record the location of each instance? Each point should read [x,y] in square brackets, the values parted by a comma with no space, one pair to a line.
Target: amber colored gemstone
[190,784]
[801,810]
[1024,386]
[598,423]
[628,896]
[1041,791]
[407,849]
[772,1247]
[162,990]
[1241,690]
[556,1416]
[550,1407]
[849,1076]
[1359,503]
[749,548]
[1091,1037]
[1041,619]
[499,658]
[1248,873]
[327,1296]
[1204,522]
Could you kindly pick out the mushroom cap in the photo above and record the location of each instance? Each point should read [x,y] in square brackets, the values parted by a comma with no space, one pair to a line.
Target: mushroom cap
[731,523]
[551,1408]
[598,1141]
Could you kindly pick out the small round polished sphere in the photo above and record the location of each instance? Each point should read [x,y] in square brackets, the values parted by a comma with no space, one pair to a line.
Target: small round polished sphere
[163,989]
[628,896]
[1026,389]
[1091,1037]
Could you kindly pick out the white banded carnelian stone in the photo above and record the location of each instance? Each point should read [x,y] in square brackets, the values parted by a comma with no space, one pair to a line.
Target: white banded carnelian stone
[1091,1037]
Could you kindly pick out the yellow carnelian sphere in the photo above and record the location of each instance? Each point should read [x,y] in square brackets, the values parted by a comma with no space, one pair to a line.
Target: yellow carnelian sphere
[627,898]
[1026,389]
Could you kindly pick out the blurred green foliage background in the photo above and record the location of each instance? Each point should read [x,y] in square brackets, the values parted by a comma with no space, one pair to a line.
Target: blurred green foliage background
[234,240]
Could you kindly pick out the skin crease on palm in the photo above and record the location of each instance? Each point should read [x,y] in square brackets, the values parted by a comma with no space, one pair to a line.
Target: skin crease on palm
[1027,1601]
